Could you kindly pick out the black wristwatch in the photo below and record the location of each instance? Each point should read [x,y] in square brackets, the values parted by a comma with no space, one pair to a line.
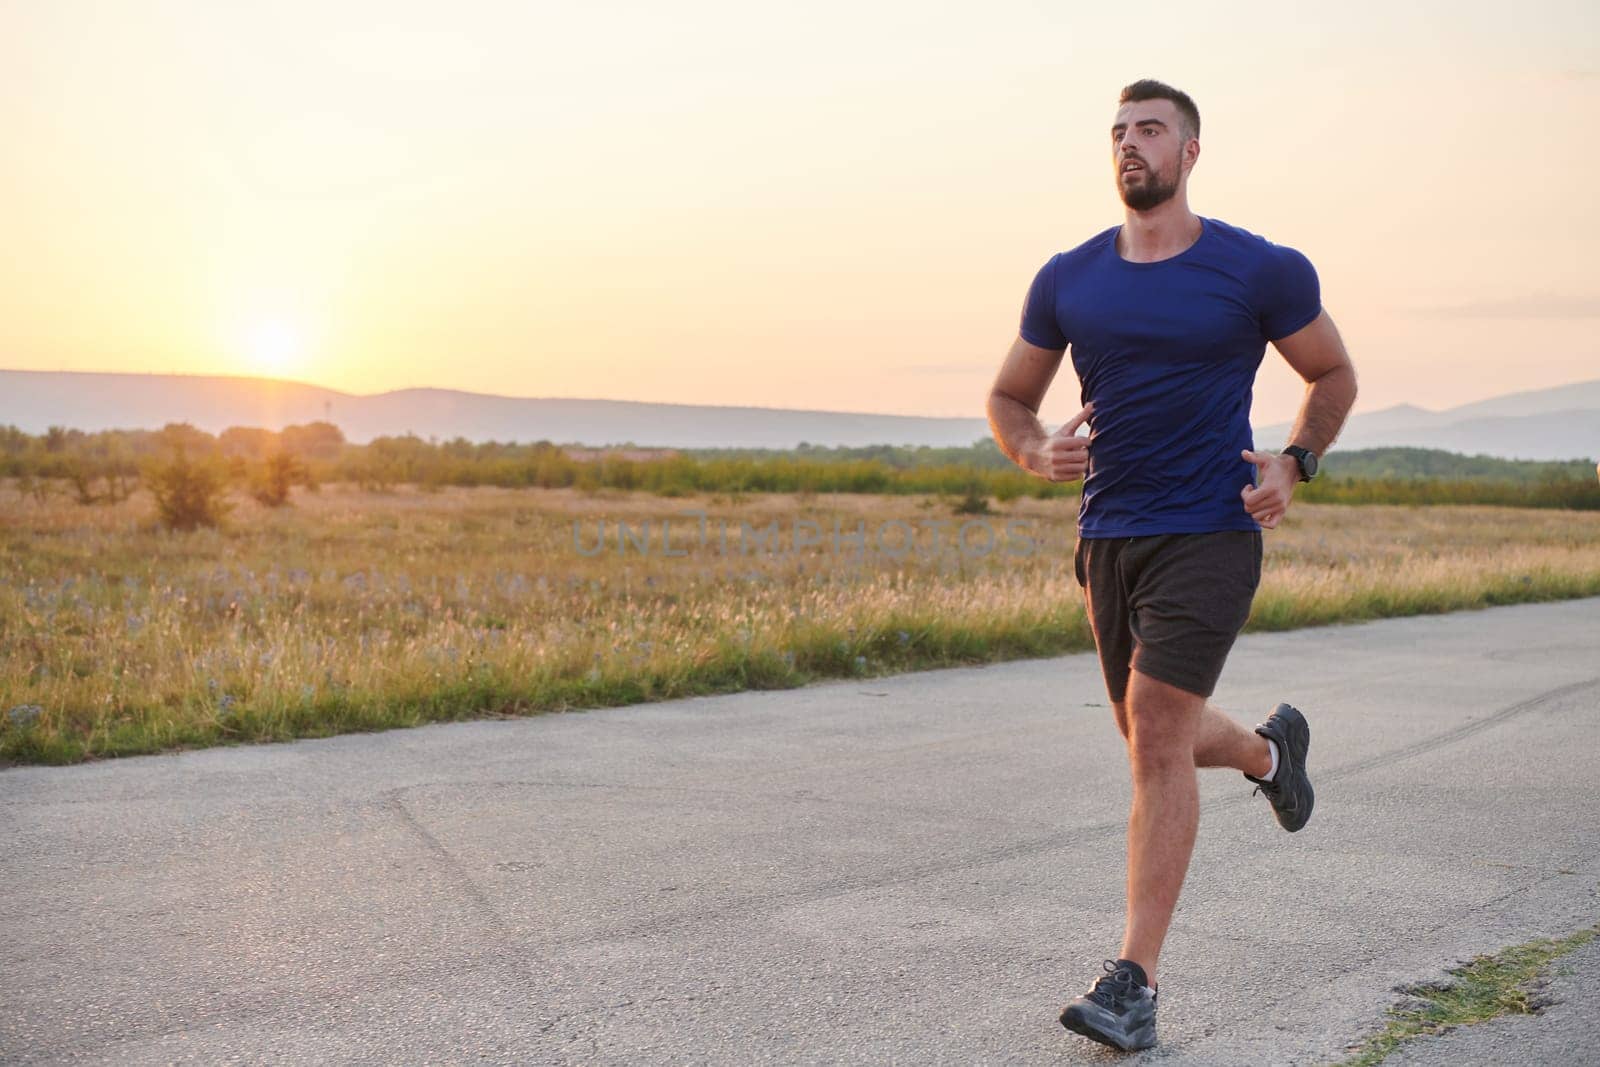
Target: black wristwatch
[1307,460]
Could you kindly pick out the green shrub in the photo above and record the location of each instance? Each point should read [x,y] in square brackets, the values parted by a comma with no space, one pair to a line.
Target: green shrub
[279,473]
[975,501]
[188,494]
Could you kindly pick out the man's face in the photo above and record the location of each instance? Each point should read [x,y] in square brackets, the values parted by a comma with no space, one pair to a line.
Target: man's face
[1147,150]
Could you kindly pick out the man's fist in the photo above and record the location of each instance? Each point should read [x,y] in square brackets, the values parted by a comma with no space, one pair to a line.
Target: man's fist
[1064,456]
[1267,501]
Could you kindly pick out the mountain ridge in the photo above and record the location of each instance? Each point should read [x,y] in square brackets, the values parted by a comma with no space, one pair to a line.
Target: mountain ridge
[1555,423]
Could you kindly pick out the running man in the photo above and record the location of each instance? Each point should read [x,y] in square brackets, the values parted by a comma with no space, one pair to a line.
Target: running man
[1168,317]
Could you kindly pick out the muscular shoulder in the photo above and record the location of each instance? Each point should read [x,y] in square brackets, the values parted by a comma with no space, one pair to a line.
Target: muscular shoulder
[1255,250]
[1282,284]
[1063,264]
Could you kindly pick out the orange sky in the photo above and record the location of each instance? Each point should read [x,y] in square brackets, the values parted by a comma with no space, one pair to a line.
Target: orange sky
[829,206]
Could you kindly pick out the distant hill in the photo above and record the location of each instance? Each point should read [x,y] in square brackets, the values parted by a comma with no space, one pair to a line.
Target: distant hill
[1577,396]
[1548,424]
[1545,424]
[33,401]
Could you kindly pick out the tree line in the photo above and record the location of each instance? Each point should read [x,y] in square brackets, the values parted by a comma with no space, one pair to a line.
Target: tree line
[190,472]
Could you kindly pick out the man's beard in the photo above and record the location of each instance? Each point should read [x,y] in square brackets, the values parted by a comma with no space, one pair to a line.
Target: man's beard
[1152,192]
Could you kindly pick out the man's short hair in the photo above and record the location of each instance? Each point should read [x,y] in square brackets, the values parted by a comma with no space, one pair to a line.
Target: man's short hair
[1150,89]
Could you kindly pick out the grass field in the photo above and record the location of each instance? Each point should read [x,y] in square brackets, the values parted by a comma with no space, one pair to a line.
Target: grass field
[354,610]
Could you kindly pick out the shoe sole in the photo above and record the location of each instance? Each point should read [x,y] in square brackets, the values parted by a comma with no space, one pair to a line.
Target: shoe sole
[1075,1022]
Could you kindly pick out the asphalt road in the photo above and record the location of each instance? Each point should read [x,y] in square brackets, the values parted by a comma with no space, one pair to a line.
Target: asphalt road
[905,870]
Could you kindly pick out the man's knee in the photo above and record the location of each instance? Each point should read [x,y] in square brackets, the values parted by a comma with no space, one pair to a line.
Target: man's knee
[1158,743]
[1161,723]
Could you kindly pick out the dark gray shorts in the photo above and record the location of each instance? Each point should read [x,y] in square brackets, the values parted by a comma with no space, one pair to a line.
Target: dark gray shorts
[1168,606]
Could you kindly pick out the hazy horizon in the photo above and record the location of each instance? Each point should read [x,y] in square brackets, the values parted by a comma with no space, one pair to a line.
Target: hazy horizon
[829,209]
[777,405]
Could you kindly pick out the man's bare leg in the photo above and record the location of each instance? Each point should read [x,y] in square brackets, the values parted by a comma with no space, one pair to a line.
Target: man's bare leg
[1219,741]
[1163,724]
[1222,742]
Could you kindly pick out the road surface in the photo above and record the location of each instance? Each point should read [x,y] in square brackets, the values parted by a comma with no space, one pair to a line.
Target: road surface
[917,869]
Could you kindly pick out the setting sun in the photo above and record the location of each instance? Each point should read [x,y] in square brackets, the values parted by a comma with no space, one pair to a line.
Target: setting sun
[274,347]
[555,200]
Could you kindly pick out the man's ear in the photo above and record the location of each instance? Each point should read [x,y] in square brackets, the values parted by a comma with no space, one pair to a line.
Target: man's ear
[1191,151]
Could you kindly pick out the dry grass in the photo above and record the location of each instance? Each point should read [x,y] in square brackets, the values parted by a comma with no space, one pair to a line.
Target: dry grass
[358,611]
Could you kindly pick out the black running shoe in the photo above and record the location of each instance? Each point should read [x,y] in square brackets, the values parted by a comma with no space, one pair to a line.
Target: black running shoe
[1118,1011]
[1290,790]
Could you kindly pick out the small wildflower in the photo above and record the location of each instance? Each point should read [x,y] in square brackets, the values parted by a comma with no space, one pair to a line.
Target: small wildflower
[861,663]
[226,705]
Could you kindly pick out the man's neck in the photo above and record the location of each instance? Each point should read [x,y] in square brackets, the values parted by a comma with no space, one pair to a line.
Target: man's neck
[1160,233]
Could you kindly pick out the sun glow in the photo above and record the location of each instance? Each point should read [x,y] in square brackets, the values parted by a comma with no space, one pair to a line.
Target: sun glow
[274,347]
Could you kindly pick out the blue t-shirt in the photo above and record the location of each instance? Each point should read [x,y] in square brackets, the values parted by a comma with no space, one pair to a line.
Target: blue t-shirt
[1168,352]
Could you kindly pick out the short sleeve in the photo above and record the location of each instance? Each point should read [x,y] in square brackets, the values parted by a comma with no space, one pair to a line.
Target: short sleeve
[1288,294]
[1040,326]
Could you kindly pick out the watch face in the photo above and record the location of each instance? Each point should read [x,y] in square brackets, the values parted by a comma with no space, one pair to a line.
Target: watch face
[1308,463]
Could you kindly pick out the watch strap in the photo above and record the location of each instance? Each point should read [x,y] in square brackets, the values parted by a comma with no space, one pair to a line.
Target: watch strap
[1300,455]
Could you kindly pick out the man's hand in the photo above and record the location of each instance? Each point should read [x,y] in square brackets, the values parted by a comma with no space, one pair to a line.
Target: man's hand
[1064,456]
[1267,501]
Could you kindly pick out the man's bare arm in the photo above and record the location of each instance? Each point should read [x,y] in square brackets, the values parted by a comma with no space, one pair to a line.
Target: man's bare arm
[1317,354]
[1014,402]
